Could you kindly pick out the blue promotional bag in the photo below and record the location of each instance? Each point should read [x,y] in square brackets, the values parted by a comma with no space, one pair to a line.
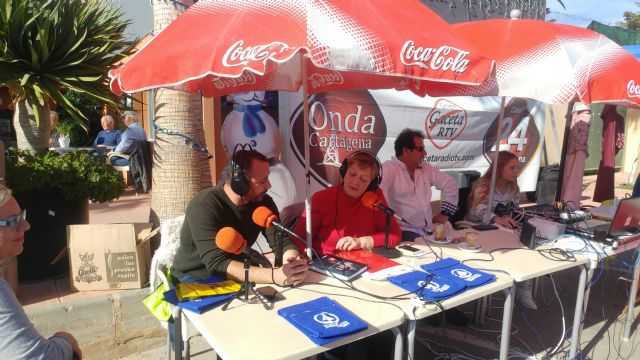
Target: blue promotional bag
[323,320]
[428,286]
[456,271]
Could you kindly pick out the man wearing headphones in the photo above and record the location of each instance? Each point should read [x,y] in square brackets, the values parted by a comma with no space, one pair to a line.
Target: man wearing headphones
[407,185]
[232,205]
[339,220]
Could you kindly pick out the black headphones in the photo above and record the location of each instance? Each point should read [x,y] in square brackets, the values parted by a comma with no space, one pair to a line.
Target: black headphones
[239,183]
[375,182]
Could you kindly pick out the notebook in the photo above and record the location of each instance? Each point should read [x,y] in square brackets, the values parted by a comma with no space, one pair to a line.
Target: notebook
[332,265]
[625,222]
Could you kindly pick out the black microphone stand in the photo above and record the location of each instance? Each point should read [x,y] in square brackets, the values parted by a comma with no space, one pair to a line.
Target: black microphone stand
[386,251]
[278,251]
[247,287]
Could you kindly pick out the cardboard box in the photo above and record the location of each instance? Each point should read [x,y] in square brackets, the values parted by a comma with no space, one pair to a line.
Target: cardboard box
[110,256]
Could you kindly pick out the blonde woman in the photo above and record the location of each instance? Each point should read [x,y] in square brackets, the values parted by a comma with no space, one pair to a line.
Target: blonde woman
[506,193]
[506,198]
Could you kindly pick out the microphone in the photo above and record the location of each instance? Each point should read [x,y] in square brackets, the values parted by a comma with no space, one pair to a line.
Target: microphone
[264,217]
[372,201]
[230,240]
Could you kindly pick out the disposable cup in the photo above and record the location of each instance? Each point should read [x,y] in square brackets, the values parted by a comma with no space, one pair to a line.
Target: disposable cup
[439,233]
[472,239]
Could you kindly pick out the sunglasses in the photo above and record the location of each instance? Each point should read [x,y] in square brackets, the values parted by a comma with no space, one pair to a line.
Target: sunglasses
[15,220]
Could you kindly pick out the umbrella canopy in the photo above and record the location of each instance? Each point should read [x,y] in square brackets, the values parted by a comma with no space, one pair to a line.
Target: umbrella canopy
[553,63]
[226,46]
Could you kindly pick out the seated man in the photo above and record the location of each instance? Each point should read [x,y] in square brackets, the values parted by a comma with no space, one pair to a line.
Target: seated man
[109,135]
[407,186]
[133,133]
[228,205]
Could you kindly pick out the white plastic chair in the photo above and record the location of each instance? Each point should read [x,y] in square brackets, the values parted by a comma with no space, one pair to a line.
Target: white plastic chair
[162,260]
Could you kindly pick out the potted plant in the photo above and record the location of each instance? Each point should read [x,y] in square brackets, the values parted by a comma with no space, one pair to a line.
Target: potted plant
[65,129]
[55,189]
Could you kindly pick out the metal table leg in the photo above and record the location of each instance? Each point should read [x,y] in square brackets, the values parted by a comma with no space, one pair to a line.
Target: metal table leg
[397,355]
[411,337]
[506,322]
[577,315]
[632,301]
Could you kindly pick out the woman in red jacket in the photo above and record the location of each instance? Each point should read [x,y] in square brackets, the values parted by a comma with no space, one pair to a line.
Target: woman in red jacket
[339,219]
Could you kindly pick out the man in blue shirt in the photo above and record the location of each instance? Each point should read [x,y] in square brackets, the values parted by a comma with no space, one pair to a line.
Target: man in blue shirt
[109,136]
[133,133]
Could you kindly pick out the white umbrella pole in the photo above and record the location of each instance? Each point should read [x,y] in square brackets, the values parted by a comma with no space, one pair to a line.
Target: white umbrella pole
[307,158]
[494,170]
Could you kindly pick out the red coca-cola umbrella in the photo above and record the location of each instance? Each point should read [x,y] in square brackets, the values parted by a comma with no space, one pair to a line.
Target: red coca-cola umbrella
[221,47]
[228,46]
[550,62]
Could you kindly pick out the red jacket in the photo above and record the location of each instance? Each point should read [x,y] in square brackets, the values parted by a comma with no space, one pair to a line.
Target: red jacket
[334,215]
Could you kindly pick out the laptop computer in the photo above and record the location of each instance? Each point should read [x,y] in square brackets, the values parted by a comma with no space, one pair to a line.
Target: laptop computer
[625,222]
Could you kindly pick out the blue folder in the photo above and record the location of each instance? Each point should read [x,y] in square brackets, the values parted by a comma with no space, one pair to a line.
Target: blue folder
[453,269]
[428,286]
[199,306]
[323,320]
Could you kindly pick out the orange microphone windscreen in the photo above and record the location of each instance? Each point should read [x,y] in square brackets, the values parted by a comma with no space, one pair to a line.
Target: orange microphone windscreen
[263,216]
[230,240]
[370,199]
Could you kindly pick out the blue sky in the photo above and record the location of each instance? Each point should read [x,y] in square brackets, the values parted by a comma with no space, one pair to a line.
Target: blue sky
[581,12]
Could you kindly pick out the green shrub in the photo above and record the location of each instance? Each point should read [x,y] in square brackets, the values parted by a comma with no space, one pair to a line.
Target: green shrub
[77,175]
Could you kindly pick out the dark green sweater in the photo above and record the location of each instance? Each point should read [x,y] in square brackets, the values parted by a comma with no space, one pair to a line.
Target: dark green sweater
[209,211]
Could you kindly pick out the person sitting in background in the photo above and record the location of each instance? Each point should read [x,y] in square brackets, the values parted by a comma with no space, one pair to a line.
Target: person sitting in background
[53,119]
[133,133]
[339,219]
[407,185]
[20,339]
[506,198]
[109,135]
[506,193]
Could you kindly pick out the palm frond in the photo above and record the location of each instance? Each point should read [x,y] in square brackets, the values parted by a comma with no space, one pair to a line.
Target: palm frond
[48,47]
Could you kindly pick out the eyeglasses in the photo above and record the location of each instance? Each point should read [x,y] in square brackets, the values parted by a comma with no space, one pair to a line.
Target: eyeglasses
[418,148]
[15,220]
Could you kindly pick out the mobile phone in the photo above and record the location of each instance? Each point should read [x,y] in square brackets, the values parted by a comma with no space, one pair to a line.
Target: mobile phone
[270,293]
[408,248]
[484,227]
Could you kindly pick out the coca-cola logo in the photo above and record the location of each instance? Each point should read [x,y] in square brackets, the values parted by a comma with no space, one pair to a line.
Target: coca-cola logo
[246,78]
[444,123]
[633,90]
[443,58]
[519,134]
[238,55]
[340,123]
[318,79]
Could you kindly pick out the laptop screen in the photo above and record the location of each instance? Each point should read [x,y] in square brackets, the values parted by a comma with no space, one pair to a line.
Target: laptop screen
[626,221]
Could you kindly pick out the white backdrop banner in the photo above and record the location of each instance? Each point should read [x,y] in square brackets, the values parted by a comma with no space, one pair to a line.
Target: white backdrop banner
[460,131]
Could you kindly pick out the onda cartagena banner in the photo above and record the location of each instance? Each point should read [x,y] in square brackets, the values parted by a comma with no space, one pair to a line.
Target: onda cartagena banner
[460,131]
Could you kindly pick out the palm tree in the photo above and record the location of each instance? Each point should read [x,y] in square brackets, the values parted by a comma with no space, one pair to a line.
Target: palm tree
[48,47]
[178,171]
